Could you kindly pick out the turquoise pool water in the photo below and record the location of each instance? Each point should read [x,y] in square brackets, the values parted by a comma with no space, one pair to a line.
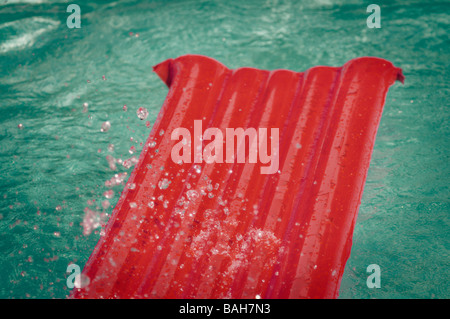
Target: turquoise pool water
[53,155]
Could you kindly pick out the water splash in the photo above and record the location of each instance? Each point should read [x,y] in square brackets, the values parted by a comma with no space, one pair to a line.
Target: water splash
[92,220]
[117,179]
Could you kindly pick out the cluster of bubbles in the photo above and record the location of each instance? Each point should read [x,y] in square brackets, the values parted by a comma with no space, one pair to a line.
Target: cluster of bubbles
[95,218]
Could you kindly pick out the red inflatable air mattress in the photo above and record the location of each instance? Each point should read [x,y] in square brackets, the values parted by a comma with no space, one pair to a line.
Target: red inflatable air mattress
[267,212]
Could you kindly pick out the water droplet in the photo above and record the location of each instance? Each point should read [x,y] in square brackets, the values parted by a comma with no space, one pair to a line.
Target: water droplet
[192,194]
[164,183]
[116,179]
[92,219]
[105,126]
[111,162]
[109,194]
[142,113]
[179,211]
[130,162]
[105,204]
[180,201]
[197,169]
[221,201]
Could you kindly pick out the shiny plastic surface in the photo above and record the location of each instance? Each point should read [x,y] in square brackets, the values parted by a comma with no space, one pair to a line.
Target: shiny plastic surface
[224,230]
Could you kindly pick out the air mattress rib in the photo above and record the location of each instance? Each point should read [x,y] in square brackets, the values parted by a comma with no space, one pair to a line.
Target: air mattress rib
[226,230]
